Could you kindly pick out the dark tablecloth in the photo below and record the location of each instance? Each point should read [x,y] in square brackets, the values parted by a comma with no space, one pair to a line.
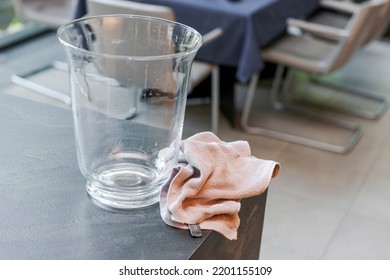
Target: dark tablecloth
[248,26]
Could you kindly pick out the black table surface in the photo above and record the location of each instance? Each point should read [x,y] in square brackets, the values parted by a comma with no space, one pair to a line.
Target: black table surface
[45,212]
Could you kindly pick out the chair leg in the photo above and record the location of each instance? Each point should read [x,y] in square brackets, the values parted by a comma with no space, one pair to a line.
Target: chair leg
[370,115]
[355,129]
[215,99]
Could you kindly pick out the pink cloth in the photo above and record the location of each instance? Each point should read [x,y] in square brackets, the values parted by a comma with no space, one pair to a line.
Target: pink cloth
[211,179]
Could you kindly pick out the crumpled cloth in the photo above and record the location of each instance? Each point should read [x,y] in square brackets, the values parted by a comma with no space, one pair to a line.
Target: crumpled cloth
[207,186]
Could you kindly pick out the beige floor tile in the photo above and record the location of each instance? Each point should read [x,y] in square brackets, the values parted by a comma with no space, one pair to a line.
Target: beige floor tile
[359,238]
[296,224]
[373,199]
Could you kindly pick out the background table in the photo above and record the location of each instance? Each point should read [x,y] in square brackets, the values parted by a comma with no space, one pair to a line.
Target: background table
[248,26]
[46,214]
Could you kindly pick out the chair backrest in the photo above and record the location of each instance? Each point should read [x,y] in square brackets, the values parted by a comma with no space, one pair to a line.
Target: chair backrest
[380,25]
[100,7]
[159,70]
[359,27]
[52,13]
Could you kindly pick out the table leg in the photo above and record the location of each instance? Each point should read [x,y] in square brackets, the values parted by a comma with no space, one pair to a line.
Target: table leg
[227,81]
[227,104]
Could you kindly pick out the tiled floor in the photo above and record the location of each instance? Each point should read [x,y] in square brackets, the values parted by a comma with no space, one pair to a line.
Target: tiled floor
[323,205]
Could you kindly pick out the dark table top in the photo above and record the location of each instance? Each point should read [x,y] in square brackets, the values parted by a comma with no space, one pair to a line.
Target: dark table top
[44,209]
[45,212]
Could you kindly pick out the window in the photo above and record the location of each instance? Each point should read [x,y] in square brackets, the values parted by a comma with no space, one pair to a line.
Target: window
[12,28]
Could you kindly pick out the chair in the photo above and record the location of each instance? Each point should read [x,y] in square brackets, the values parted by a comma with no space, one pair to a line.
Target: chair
[200,70]
[338,14]
[317,56]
